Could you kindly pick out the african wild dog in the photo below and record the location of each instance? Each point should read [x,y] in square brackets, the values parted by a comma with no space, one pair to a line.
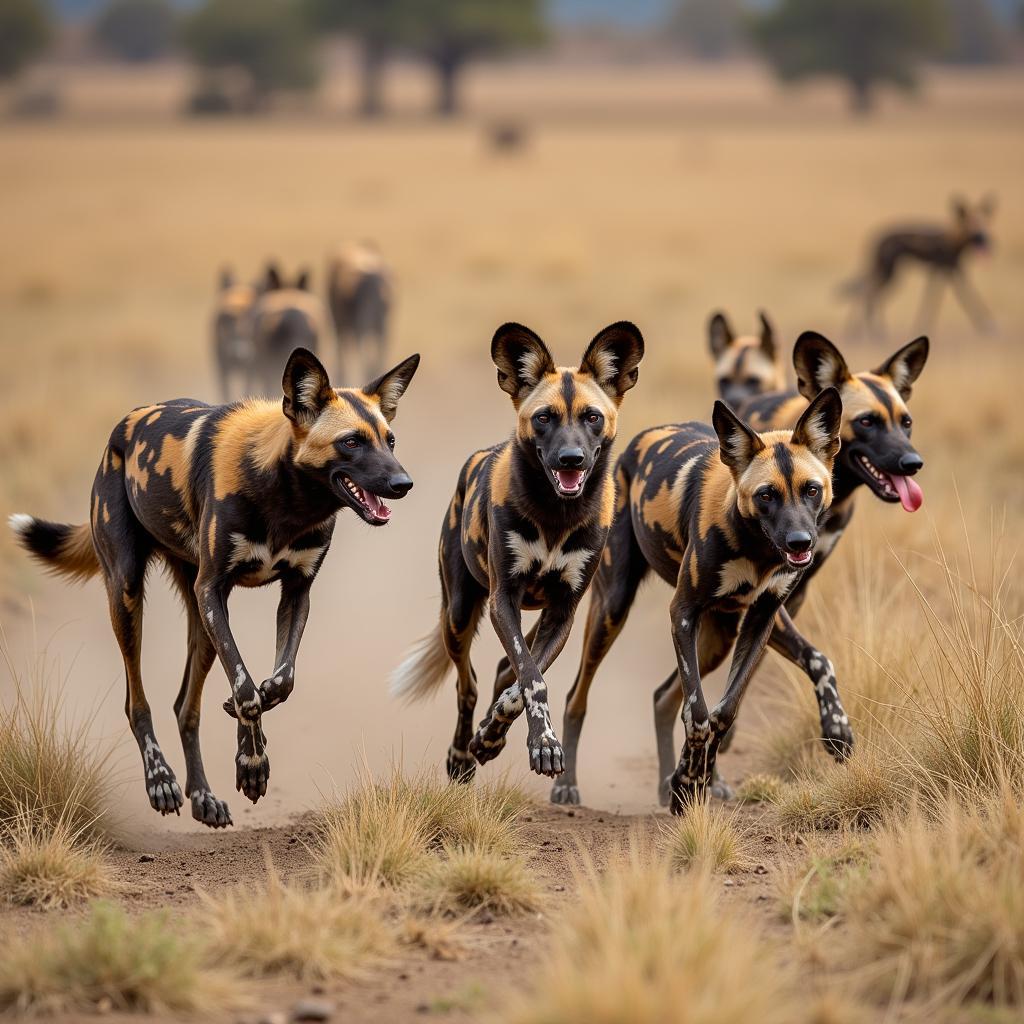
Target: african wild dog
[525,529]
[359,293]
[876,451]
[940,249]
[286,316]
[232,333]
[746,365]
[226,496]
[730,519]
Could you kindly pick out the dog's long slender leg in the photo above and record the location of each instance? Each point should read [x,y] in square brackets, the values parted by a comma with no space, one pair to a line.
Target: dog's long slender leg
[930,301]
[787,640]
[252,766]
[529,692]
[504,677]
[971,301]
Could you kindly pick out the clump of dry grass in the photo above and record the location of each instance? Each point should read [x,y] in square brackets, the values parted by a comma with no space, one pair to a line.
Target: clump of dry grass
[939,913]
[50,766]
[759,788]
[295,930]
[114,961]
[631,944]
[386,829]
[49,867]
[436,935]
[812,888]
[468,878]
[706,838]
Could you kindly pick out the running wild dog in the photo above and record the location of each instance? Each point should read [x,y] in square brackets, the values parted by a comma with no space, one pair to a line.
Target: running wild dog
[941,250]
[226,496]
[729,518]
[745,365]
[526,529]
[359,293]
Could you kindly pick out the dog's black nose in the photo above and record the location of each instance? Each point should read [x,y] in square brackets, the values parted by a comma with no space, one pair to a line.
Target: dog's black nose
[400,483]
[798,541]
[571,458]
[910,463]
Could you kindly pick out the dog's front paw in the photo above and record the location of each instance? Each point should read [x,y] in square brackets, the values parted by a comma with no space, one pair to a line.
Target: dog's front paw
[684,791]
[486,746]
[252,766]
[546,756]
[837,735]
[565,793]
[277,689]
[161,786]
[206,808]
[461,765]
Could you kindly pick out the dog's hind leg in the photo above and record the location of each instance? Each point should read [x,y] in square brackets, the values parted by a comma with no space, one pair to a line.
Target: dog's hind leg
[205,806]
[613,591]
[124,549]
[787,640]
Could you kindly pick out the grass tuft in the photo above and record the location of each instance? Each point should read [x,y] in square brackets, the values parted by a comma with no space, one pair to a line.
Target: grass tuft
[705,838]
[305,933]
[631,943]
[50,867]
[110,960]
[759,788]
[469,879]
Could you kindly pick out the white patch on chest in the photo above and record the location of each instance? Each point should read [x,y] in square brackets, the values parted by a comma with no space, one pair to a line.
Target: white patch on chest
[535,558]
[244,551]
[734,574]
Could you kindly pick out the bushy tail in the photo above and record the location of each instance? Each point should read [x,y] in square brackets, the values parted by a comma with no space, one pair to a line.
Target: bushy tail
[62,548]
[424,668]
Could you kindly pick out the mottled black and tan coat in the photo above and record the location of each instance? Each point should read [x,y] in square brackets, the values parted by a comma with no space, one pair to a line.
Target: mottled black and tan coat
[227,496]
[525,530]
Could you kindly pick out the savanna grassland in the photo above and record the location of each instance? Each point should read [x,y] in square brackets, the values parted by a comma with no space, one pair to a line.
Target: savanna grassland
[892,888]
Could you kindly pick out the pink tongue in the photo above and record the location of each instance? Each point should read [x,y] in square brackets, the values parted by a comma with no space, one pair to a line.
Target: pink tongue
[910,493]
[569,479]
[377,507]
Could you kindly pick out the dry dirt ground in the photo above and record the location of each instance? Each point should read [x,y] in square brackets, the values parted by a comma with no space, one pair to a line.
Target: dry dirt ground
[113,234]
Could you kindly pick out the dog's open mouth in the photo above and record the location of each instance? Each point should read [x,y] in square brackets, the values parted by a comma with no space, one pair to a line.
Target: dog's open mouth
[890,487]
[368,504]
[569,481]
[799,559]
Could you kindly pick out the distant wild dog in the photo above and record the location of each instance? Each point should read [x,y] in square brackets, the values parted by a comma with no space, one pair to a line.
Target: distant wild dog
[286,316]
[525,529]
[745,365]
[232,335]
[359,293]
[729,518]
[940,249]
[226,496]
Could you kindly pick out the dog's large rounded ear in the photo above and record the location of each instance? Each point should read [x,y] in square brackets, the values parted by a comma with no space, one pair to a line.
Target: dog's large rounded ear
[306,387]
[720,333]
[303,280]
[389,387]
[522,359]
[818,428]
[613,356]
[767,335]
[738,443]
[272,280]
[818,364]
[905,366]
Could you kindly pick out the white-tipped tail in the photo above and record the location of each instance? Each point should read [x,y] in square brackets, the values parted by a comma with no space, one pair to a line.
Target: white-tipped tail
[424,668]
[20,523]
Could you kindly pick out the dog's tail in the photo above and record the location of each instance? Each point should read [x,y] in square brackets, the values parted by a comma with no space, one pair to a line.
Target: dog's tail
[424,668]
[63,549]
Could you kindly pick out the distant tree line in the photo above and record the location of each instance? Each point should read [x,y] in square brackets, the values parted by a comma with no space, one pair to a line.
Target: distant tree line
[271,45]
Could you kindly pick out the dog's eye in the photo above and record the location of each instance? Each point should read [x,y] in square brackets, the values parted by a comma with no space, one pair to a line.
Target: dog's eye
[766,495]
[813,490]
[542,418]
[351,442]
[391,441]
[867,421]
[593,418]
[907,422]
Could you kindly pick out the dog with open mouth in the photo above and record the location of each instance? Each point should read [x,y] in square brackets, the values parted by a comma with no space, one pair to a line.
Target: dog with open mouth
[525,529]
[729,519]
[237,495]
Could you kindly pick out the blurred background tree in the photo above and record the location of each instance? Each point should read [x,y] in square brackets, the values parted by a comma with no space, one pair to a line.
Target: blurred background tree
[136,30]
[708,29]
[864,42]
[975,34]
[379,26]
[450,33]
[270,41]
[25,32]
